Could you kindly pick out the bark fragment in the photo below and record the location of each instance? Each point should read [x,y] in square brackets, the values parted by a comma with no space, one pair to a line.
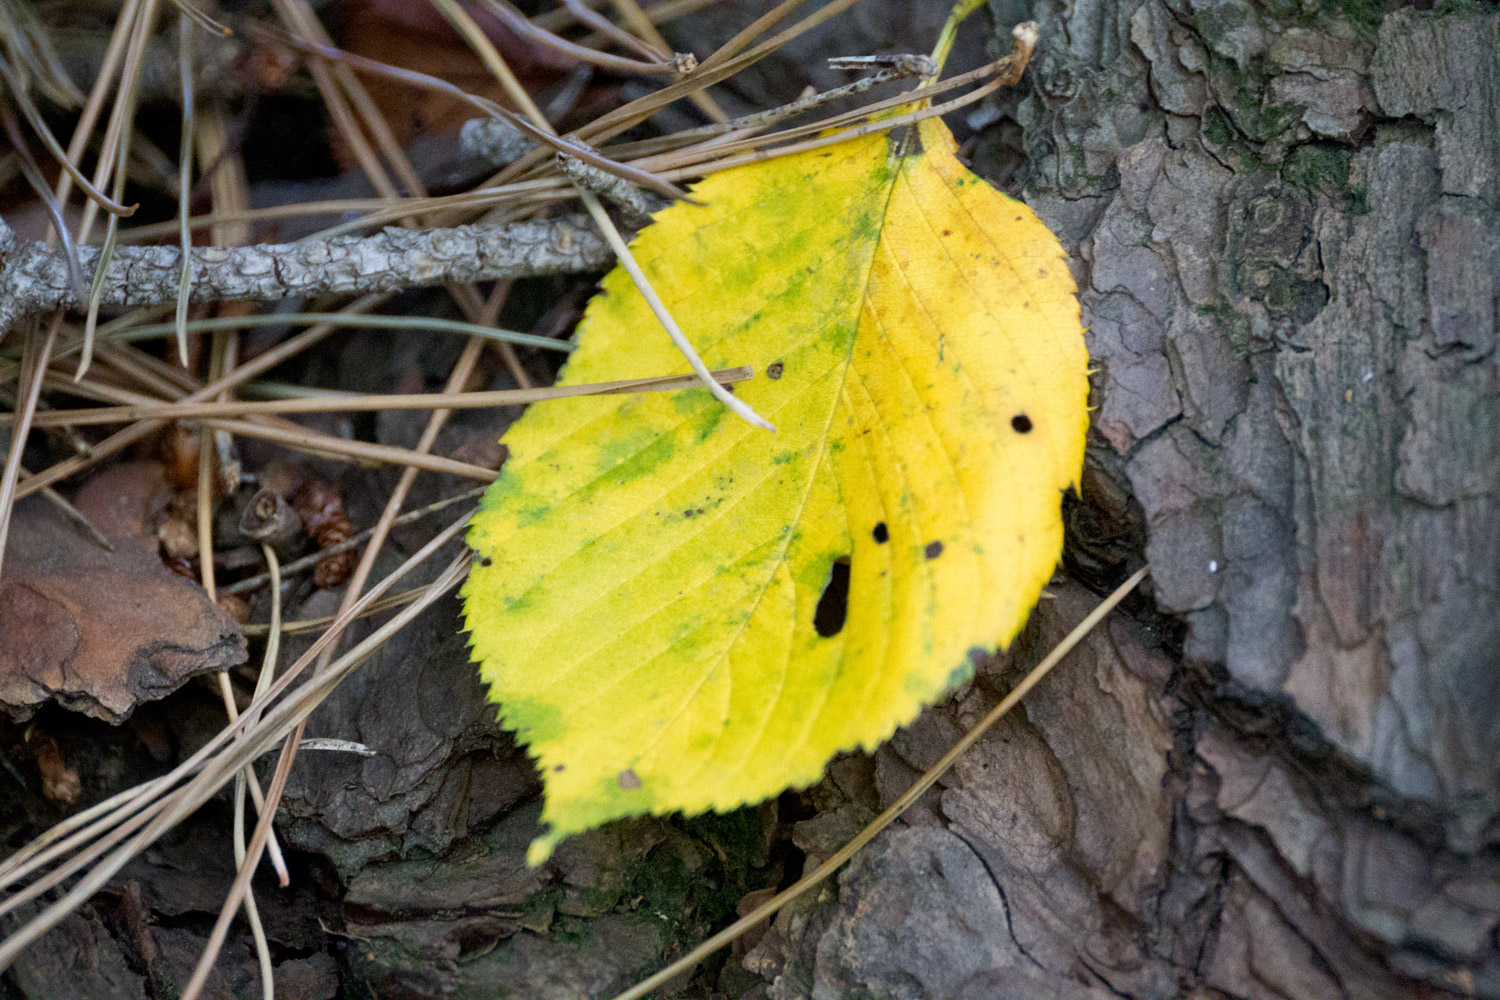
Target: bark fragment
[1285,234]
[100,631]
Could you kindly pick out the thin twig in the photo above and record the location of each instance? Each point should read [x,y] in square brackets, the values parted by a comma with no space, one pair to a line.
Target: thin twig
[36,277]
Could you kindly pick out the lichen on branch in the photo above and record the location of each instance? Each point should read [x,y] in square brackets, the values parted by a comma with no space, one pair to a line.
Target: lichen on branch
[34,277]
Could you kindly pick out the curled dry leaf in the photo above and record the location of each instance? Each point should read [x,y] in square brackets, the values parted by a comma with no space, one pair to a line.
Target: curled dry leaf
[100,631]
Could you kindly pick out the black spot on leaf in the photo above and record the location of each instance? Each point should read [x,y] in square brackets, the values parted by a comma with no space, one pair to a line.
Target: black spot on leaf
[881,533]
[775,369]
[833,606]
[934,549]
[1020,423]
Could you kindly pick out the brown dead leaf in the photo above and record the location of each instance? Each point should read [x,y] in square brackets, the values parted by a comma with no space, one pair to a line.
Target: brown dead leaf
[100,631]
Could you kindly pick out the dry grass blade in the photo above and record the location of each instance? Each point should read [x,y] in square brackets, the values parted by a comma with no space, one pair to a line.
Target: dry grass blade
[34,179]
[760,119]
[39,353]
[711,71]
[890,815]
[113,162]
[518,23]
[492,58]
[196,15]
[328,446]
[348,402]
[642,25]
[761,154]
[104,84]
[220,770]
[39,127]
[589,17]
[224,349]
[27,44]
[425,82]
[313,624]
[247,778]
[123,439]
[111,820]
[287,720]
[184,182]
[413,324]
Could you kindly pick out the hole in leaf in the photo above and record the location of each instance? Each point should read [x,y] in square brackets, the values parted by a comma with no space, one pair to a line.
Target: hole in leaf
[833,606]
[1020,423]
[881,533]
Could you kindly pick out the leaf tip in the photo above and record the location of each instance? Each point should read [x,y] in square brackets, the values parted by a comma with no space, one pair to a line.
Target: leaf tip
[542,847]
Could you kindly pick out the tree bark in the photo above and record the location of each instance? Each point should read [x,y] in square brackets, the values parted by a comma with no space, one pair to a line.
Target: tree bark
[1274,777]
[1284,223]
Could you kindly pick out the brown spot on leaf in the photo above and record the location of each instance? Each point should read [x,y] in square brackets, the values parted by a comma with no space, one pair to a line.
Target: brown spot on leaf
[629,780]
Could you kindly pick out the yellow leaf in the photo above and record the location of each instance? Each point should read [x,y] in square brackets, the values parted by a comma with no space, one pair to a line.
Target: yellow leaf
[650,609]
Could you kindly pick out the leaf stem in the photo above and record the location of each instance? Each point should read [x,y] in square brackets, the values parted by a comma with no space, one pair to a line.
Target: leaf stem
[961,10]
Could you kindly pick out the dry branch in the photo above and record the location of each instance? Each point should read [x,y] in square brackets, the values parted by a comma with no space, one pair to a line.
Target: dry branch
[34,277]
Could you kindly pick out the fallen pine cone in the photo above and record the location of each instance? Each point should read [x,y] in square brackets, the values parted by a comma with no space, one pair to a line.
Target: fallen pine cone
[322,512]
